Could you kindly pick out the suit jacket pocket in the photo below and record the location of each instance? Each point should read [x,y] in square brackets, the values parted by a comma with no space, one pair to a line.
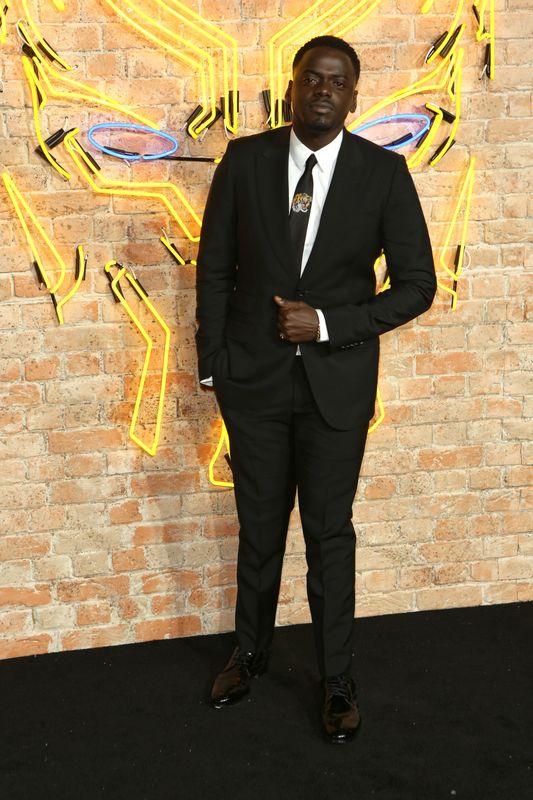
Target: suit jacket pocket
[241,329]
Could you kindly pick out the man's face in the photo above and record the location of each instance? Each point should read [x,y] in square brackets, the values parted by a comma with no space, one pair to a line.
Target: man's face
[322,93]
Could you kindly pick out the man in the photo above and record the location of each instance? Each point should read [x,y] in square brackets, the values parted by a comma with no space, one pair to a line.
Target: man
[289,327]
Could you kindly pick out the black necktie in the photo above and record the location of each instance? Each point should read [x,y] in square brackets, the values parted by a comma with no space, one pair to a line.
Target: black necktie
[301,209]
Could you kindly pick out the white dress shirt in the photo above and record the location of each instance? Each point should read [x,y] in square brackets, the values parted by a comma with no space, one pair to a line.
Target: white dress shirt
[322,174]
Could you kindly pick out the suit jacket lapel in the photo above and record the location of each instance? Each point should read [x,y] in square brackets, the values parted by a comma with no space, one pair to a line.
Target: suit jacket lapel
[344,183]
[272,168]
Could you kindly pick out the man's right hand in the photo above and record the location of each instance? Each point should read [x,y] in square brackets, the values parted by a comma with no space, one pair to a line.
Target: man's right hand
[297,321]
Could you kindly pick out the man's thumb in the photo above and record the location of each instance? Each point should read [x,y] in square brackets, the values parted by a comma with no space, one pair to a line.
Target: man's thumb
[279,300]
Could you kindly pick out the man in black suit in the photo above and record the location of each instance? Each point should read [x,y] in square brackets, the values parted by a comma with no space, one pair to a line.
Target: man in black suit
[288,334]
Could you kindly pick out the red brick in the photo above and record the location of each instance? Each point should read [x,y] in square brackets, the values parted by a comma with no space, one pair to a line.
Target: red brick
[83,364]
[15,622]
[166,604]
[172,580]
[128,511]
[82,490]
[221,575]
[13,422]
[93,613]
[47,518]
[450,459]
[170,483]
[170,628]
[30,646]
[129,607]
[95,637]
[447,362]
[84,440]
[20,394]
[379,488]
[41,369]
[84,465]
[448,597]
[451,528]
[10,370]
[129,560]
[216,527]
[14,547]
[37,595]
[99,588]
[184,530]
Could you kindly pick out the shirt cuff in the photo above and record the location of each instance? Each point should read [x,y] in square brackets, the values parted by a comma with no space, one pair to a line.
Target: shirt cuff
[324,335]
[207,381]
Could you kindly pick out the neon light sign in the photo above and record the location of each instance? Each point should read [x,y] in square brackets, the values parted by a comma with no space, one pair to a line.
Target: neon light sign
[110,151]
[408,138]
[151,449]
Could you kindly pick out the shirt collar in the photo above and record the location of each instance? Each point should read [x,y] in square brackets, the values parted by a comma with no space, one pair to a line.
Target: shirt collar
[325,157]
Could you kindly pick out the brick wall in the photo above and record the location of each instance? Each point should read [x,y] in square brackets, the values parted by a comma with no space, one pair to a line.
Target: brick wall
[101,544]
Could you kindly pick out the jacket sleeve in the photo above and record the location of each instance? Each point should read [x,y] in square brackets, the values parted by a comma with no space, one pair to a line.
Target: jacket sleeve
[216,264]
[407,249]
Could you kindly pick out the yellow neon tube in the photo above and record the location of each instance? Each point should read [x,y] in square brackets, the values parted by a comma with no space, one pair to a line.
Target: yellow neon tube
[276,62]
[31,22]
[455,82]
[428,5]
[381,408]
[449,35]
[489,34]
[3,21]
[175,253]
[386,283]
[59,4]
[20,205]
[381,413]
[194,128]
[136,188]
[81,261]
[34,84]
[222,442]
[150,449]
[196,65]
[85,93]
[172,252]
[432,82]
[419,154]
[199,24]
[465,196]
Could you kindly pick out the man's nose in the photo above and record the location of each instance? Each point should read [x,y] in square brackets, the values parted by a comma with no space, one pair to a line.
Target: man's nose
[322,88]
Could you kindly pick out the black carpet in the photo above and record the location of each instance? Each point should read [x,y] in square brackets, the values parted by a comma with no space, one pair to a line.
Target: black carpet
[445,696]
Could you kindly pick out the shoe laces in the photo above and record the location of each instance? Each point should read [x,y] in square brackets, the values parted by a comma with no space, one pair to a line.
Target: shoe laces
[341,686]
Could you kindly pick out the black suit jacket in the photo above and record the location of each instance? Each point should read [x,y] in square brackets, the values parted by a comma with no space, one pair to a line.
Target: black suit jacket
[245,257]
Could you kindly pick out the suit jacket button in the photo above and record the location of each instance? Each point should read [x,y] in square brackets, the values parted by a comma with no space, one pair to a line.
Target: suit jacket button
[300,294]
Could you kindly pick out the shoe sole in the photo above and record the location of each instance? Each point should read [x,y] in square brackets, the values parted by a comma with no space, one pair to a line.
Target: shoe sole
[332,739]
[233,701]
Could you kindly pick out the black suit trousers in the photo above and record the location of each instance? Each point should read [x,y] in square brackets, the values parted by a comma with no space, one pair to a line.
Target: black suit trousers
[275,452]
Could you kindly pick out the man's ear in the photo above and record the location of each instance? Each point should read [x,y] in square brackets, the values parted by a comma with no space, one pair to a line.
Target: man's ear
[354,101]
[288,93]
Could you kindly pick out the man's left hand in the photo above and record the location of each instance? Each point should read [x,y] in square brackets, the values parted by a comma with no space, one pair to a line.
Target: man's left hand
[297,322]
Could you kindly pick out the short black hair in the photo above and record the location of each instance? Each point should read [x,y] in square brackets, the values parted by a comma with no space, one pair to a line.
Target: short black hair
[333,42]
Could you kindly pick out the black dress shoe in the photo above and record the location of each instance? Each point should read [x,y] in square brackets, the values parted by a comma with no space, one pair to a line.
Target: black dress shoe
[233,683]
[340,715]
